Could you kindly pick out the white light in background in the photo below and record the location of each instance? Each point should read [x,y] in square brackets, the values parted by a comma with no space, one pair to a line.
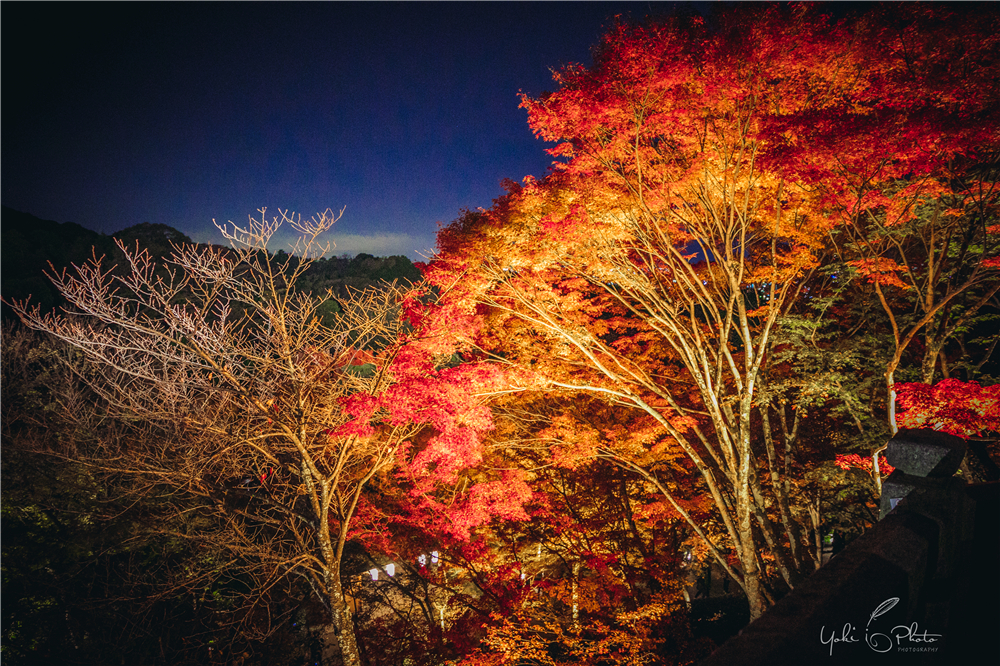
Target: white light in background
[374,573]
[390,569]
[434,557]
[422,560]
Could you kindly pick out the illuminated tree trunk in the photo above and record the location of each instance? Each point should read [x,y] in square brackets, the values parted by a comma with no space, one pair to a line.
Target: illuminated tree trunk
[744,508]
[876,472]
[343,623]
[748,550]
[928,364]
[890,395]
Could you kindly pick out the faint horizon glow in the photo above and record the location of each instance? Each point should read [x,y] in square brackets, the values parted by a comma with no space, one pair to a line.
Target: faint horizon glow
[413,246]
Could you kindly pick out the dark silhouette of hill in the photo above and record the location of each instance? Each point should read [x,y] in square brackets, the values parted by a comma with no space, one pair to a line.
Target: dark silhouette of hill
[28,245]
[156,238]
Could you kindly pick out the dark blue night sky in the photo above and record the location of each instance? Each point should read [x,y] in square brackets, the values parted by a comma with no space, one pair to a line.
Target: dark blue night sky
[404,113]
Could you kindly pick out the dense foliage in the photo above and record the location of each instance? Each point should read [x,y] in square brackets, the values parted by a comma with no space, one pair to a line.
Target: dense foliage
[633,398]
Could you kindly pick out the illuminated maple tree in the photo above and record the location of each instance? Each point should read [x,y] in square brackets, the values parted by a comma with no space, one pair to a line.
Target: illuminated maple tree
[701,172]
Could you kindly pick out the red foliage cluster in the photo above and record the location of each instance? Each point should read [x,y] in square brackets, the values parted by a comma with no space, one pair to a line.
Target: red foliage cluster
[450,402]
[848,461]
[965,409]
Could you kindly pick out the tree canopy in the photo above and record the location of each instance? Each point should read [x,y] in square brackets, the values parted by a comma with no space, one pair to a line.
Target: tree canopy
[667,366]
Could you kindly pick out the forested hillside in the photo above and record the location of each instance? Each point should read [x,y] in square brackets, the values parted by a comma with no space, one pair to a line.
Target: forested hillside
[28,246]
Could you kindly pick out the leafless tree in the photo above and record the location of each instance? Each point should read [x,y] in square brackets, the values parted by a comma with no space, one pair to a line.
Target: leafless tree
[245,379]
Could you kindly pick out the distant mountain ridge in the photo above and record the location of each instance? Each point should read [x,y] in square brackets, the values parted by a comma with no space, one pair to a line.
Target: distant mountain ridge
[28,244]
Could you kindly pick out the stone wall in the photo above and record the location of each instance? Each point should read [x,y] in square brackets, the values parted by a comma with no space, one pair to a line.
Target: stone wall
[909,589]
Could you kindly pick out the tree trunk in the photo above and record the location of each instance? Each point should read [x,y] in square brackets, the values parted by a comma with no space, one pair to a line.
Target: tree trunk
[788,568]
[791,528]
[748,557]
[748,549]
[890,394]
[814,508]
[929,362]
[343,623]
[877,472]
